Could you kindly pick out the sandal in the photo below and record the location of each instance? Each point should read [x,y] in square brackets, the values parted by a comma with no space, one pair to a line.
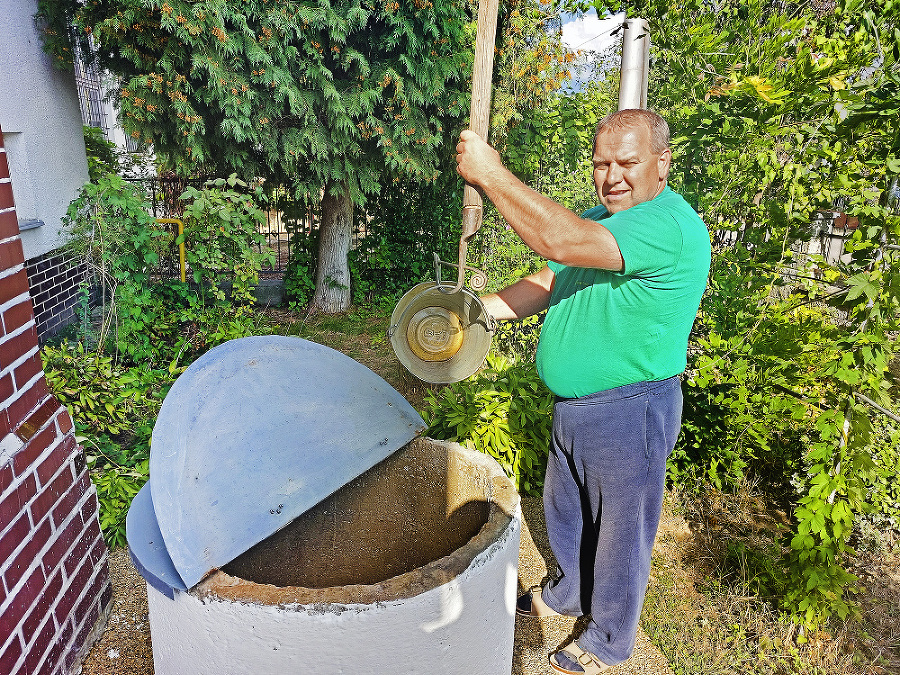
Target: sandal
[530,604]
[585,661]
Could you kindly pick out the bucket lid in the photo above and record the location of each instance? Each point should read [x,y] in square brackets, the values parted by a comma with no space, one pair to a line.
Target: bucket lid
[254,433]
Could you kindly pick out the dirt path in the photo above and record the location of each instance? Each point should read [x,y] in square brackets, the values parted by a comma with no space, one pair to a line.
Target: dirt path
[125,647]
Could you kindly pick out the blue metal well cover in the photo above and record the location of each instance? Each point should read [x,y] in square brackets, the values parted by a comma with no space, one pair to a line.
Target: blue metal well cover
[256,432]
[147,547]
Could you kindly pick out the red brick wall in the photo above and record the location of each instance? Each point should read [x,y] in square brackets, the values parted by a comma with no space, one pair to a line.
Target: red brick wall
[54,581]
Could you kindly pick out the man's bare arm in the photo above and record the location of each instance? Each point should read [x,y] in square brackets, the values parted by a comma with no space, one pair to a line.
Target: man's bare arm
[527,296]
[548,228]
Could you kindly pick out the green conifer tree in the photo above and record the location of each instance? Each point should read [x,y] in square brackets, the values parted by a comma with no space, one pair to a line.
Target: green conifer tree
[335,100]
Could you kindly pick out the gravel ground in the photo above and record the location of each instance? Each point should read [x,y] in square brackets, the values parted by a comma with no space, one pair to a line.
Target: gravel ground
[125,647]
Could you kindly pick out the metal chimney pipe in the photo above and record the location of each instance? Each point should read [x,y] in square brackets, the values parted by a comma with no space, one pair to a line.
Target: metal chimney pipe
[634,73]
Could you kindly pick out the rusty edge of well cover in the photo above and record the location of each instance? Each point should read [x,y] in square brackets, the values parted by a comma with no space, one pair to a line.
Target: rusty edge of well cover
[253,434]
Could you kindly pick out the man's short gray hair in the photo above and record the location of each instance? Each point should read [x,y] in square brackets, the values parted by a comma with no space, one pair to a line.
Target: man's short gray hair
[626,119]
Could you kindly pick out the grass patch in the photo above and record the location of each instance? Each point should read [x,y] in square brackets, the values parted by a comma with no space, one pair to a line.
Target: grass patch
[708,605]
[334,330]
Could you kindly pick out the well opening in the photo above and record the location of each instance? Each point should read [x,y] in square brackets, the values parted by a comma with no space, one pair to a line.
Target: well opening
[421,508]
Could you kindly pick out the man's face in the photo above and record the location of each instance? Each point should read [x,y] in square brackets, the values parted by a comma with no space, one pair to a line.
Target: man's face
[626,170]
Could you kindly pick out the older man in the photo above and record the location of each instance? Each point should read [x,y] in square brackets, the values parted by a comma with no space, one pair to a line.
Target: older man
[622,289]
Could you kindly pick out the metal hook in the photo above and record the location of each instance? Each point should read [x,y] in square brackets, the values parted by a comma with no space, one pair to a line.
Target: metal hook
[478,282]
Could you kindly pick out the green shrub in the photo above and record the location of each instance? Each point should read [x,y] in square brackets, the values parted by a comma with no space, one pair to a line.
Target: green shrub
[218,324]
[222,238]
[113,410]
[504,411]
[109,228]
[518,339]
[704,451]
[117,482]
[882,488]
[770,398]
[148,322]
[162,324]
[405,226]
[170,325]
[300,275]
[96,392]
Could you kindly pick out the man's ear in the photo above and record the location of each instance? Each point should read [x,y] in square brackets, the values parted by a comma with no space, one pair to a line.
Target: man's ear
[664,163]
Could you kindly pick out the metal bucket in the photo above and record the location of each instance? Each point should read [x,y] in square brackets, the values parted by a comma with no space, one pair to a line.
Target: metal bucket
[438,335]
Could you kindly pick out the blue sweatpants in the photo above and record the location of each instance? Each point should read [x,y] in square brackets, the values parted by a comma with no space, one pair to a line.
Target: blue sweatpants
[603,495]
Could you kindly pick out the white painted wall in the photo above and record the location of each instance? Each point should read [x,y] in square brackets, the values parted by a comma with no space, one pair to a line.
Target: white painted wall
[463,627]
[41,124]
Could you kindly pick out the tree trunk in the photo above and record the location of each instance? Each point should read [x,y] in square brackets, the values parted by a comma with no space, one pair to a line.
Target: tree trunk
[333,273]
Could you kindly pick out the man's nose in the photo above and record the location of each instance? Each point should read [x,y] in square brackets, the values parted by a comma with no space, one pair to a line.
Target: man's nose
[614,174]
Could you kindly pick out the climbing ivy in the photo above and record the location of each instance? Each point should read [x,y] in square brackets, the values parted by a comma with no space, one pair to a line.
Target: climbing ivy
[780,109]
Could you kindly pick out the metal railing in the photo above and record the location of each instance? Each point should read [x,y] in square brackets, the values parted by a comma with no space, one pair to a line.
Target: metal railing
[284,216]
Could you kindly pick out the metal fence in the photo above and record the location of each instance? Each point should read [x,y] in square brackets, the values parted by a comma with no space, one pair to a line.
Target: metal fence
[284,217]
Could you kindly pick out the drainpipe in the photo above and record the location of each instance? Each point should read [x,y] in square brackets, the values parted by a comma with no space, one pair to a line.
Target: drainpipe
[635,69]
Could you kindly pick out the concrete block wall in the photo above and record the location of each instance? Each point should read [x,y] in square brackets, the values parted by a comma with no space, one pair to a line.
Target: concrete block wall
[54,581]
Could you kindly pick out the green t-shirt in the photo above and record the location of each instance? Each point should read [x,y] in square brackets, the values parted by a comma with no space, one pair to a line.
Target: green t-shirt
[607,329]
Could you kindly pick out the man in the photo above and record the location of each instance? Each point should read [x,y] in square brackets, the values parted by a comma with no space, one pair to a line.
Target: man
[622,288]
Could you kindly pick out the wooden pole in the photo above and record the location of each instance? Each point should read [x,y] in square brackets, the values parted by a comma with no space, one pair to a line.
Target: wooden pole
[479,121]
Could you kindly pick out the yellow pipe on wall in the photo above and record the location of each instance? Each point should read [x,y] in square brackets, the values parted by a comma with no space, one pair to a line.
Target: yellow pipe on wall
[177,221]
